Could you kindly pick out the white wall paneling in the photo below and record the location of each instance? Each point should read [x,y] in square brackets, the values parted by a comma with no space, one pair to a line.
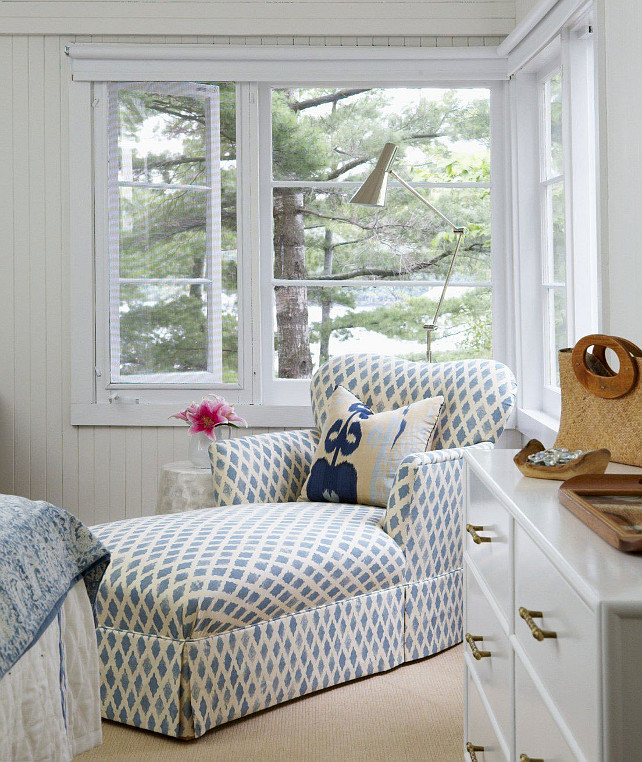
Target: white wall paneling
[98,473]
[268,17]
[619,29]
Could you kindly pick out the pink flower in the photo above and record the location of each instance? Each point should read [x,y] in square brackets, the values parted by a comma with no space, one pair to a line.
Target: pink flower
[182,415]
[211,412]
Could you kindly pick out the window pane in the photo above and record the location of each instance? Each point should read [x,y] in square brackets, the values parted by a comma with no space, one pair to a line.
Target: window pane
[558,221]
[174,331]
[557,157]
[163,329]
[403,241]
[162,137]
[557,330]
[337,133]
[164,332]
[315,323]
[163,233]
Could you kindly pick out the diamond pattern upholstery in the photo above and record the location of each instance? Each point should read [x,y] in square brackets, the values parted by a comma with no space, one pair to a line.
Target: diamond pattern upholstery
[207,616]
[478,394]
[268,468]
[434,615]
[424,511]
[187,576]
[185,688]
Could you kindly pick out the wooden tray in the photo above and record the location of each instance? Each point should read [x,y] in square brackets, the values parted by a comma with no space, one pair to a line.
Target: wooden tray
[610,505]
[593,462]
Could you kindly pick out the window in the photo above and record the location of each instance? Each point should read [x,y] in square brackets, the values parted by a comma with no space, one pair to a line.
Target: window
[172,230]
[227,255]
[553,218]
[555,210]
[355,279]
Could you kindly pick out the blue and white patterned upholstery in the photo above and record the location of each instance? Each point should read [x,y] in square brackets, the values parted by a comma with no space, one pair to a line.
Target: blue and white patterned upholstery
[185,688]
[478,394]
[268,468]
[424,511]
[190,575]
[207,616]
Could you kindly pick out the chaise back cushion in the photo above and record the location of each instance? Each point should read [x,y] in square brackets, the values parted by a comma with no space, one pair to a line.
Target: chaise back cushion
[478,394]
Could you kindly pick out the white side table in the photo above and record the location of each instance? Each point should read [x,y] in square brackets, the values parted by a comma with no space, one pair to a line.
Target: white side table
[182,487]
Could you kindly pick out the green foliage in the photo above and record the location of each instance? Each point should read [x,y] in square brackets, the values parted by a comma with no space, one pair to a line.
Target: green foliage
[318,134]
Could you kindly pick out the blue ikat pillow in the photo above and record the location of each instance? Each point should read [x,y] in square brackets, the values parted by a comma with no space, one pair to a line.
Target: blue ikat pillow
[360,451]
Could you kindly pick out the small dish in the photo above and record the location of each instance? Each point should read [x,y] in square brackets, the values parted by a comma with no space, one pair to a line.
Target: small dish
[592,462]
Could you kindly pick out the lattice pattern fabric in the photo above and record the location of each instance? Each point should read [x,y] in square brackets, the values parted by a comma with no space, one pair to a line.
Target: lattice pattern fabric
[424,511]
[434,615]
[268,468]
[210,571]
[478,394]
[184,688]
[207,616]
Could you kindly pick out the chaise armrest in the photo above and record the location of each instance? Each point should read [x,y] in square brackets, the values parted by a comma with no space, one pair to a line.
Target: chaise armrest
[425,508]
[266,468]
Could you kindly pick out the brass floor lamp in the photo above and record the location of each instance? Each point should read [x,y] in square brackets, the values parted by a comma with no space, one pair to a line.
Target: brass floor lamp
[373,193]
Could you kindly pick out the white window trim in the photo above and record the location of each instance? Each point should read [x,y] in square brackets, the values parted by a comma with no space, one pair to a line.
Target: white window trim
[539,404]
[93,64]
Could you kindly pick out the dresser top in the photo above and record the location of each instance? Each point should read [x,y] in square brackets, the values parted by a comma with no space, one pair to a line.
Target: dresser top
[604,573]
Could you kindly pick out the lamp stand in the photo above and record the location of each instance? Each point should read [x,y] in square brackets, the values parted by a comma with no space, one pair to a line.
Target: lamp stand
[430,327]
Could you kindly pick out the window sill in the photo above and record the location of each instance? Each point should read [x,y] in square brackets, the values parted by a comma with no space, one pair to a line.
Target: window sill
[536,424]
[127,414]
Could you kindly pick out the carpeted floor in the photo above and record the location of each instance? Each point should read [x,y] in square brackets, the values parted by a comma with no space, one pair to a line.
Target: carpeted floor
[414,712]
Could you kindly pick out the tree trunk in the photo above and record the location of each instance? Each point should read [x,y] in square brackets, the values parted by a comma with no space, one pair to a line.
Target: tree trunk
[293,338]
[326,298]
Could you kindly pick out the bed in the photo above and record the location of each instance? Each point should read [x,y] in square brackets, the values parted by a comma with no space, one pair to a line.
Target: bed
[50,569]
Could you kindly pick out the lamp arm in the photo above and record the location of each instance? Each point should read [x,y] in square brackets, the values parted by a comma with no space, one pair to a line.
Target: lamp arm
[416,194]
[460,234]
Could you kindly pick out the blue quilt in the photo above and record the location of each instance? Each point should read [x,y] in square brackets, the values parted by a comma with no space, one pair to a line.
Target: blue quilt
[44,551]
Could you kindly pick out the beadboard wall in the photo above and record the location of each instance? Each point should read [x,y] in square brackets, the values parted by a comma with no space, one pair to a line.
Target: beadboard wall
[102,473]
[262,17]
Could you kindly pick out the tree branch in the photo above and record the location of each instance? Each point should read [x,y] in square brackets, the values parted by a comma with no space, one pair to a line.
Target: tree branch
[378,272]
[328,98]
[346,168]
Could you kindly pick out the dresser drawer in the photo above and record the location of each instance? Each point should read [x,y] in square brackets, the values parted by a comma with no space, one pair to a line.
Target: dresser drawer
[480,732]
[567,663]
[490,556]
[493,671]
[537,735]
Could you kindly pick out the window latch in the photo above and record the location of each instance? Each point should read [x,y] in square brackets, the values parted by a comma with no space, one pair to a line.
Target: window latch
[118,399]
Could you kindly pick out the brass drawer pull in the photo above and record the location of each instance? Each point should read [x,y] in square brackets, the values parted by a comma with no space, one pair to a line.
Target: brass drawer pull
[477,539]
[471,751]
[538,633]
[471,639]
[526,758]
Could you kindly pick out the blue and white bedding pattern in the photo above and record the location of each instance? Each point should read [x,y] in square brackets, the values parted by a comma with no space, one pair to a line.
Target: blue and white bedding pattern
[44,551]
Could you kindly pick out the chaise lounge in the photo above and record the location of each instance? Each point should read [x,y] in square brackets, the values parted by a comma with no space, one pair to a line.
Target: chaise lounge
[207,616]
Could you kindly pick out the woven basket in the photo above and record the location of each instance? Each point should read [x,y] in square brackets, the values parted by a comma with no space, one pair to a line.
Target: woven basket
[602,408]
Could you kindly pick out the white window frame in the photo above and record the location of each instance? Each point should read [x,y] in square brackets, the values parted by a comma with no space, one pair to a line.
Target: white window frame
[297,391]
[263,403]
[107,339]
[571,51]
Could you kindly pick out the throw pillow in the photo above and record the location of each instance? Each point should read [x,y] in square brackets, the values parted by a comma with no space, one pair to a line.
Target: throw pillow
[360,451]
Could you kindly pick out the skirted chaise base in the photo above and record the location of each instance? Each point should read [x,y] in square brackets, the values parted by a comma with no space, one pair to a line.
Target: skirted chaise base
[210,615]
[183,688]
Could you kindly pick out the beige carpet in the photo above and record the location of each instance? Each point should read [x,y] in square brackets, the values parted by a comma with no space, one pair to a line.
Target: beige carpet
[414,712]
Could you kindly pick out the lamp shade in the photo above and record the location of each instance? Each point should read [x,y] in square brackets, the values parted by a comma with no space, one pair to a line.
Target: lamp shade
[375,186]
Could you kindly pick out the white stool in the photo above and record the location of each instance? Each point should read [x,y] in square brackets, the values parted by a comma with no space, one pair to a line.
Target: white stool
[182,487]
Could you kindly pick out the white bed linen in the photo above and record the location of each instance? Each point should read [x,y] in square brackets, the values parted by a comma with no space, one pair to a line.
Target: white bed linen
[34,726]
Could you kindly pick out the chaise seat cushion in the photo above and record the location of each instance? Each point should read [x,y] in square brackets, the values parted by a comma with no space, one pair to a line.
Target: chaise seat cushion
[197,574]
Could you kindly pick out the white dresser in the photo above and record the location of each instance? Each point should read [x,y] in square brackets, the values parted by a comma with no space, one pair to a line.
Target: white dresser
[553,625]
